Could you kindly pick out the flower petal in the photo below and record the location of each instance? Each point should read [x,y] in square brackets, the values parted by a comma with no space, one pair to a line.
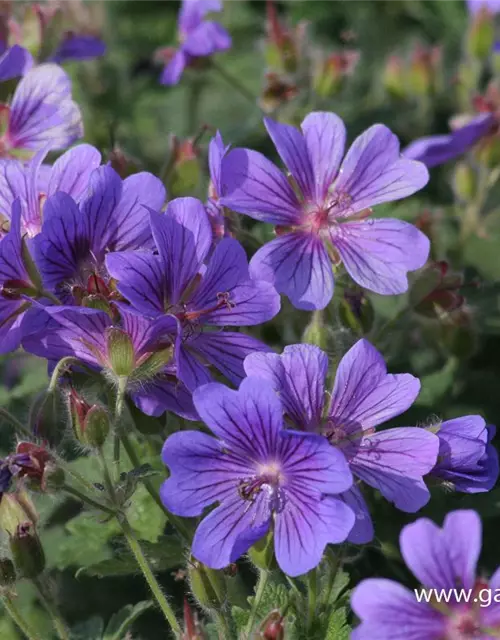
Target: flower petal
[253,185]
[304,527]
[293,151]
[443,558]
[378,254]
[78,47]
[298,265]
[190,369]
[362,531]
[174,69]
[250,302]
[99,206]
[325,136]
[140,279]
[15,62]
[248,420]
[192,13]
[207,39]
[373,171]
[71,172]
[216,151]
[299,377]
[364,394]
[200,473]
[394,461]
[226,351]
[42,111]
[389,610]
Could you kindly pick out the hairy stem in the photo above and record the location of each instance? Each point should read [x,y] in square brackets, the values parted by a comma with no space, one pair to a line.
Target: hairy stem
[45,596]
[261,587]
[11,608]
[87,500]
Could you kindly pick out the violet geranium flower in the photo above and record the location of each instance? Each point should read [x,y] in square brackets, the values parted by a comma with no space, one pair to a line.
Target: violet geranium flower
[467,462]
[198,39]
[442,559]
[33,182]
[15,61]
[176,282]
[364,396]
[120,344]
[71,249]
[41,114]
[216,152]
[261,475]
[322,219]
[78,46]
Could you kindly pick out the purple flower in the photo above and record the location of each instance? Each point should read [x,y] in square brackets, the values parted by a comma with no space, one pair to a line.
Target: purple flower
[176,282]
[261,475]
[441,559]
[436,150]
[216,152]
[324,220]
[71,249]
[32,183]
[15,284]
[15,61]
[198,38]
[76,46]
[466,460]
[474,6]
[364,396]
[41,114]
[124,344]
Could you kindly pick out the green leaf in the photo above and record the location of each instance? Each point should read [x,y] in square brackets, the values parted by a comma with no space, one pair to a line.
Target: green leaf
[121,621]
[91,629]
[145,516]
[436,385]
[338,629]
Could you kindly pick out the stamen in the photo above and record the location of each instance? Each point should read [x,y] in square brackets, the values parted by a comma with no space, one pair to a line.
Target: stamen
[222,301]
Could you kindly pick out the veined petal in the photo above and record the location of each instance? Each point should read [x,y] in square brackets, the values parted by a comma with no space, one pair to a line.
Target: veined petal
[193,11]
[378,254]
[191,370]
[389,610]
[216,151]
[11,321]
[140,192]
[42,111]
[394,461]
[443,558]
[249,301]
[299,377]
[253,185]
[200,472]
[305,526]
[230,530]
[364,394]
[226,351]
[11,260]
[325,137]
[373,171]
[298,265]
[140,279]
[98,208]
[15,62]
[293,151]
[71,172]
[248,420]
[362,531]
[13,184]
[165,393]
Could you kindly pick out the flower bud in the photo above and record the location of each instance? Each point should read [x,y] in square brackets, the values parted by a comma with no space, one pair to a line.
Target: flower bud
[262,553]
[487,151]
[424,70]
[481,34]
[121,352]
[192,627]
[16,508]
[7,572]
[316,333]
[208,585]
[394,77]
[284,45]
[122,162]
[331,72]
[436,291]
[277,91]
[273,627]
[184,170]
[32,463]
[91,424]
[464,182]
[27,551]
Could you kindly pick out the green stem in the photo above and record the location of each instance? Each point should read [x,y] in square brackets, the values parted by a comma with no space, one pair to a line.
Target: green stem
[57,621]
[261,587]
[59,369]
[134,459]
[108,482]
[12,610]
[18,426]
[87,500]
[145,567]
[234,82]
[312,597]
[119,405]
[193,103]
[335,562]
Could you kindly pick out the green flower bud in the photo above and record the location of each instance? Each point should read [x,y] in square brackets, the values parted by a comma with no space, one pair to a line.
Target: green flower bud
[91,424]
[394,77]
[120,352]
[262,553]
[481,34]
[53,478]
[464,182]
[208,585]
[316,333]
[15,509]
[27,551]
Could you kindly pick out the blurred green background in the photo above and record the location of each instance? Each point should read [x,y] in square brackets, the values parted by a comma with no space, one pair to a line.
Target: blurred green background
[126,108]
